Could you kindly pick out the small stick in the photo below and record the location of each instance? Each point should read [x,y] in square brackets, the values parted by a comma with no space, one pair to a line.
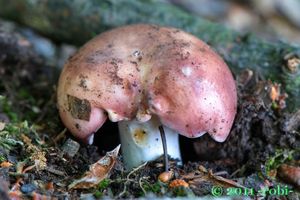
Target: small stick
[164,143]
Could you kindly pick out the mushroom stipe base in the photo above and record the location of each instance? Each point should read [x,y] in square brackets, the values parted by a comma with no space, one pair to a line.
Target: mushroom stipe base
[141,142]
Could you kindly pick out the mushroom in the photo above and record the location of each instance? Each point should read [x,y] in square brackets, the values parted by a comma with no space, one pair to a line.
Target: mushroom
[144,76]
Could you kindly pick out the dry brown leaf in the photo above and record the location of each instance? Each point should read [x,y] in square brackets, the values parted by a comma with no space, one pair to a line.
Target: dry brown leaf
[274,92]
[202,175]
[225,181]
[6,164]
[276,95]
[220,179]
[97,171]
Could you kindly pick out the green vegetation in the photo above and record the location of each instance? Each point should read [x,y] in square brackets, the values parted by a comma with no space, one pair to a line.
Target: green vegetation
[155,188]
[101,187]
[281,156]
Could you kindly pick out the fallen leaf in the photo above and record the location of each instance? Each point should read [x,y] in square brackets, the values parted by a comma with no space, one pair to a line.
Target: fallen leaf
[225,181]
[5,164]
[204,176]
[278,98]
[274,92]
[97,171]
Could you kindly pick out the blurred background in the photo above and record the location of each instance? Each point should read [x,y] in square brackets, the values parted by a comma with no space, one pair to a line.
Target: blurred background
[270,19]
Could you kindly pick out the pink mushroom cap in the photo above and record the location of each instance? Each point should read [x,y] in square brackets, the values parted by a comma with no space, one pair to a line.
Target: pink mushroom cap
[139,71]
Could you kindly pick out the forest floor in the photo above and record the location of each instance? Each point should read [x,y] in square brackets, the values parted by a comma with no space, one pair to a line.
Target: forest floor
[40,159]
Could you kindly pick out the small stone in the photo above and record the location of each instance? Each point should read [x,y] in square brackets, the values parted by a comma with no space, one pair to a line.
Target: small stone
[28,188]
[70,147]
[88,196]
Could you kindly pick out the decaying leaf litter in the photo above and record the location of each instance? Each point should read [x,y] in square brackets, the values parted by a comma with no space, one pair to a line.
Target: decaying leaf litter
[38,161]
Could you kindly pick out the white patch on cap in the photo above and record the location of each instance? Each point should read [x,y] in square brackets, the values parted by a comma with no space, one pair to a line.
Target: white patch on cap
[187,71]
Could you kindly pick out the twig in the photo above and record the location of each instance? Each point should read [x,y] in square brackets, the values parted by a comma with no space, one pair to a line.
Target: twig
[141,184]
[165,148]
[60,135]
[55,171]
[130,180]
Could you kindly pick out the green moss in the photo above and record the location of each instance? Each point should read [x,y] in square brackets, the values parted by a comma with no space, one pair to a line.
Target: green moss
[98,194]
[22,106]
[182,192]
[10,135]
[155,188]
[101,187]
[103,184]
[281,156]
[2,158]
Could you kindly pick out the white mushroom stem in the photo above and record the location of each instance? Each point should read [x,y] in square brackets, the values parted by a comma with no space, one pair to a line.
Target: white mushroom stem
[141,142]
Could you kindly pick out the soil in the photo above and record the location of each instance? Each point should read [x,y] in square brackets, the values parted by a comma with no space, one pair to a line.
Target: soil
[40,159]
